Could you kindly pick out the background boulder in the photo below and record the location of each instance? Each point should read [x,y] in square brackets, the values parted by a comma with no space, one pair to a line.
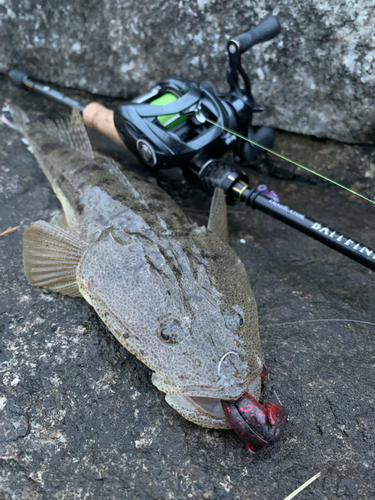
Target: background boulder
[315,78]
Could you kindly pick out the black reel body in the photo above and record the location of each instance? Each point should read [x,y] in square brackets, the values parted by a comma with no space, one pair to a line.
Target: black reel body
[175,133]
[172,133]
[168,128]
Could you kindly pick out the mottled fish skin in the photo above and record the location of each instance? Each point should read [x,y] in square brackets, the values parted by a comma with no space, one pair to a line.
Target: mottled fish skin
[151,275]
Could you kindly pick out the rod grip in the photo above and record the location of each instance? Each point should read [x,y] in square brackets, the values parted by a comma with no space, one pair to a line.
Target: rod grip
[100,118]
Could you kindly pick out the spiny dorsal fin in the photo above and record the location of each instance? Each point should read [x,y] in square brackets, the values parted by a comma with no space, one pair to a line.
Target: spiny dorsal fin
[72,133]
[218,222]
[50,258]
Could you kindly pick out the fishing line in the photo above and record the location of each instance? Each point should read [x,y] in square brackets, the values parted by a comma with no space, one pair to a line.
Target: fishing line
[288,160]
[302,487]
[277,397]
[316,321]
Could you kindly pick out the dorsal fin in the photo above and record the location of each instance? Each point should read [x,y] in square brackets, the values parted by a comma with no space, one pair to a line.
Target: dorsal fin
[70,132]
[217,222]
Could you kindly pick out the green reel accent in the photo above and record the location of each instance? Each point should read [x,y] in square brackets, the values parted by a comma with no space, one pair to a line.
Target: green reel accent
[173,120]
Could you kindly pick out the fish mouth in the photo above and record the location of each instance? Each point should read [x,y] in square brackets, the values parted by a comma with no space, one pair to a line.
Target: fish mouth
[211,407]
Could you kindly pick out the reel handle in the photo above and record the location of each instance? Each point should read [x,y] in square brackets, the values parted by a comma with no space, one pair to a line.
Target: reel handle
[266,30]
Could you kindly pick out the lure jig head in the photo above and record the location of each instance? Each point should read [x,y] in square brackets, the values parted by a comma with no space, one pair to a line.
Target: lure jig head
[256,425]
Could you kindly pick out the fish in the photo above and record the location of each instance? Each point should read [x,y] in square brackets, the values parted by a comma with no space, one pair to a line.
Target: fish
[174,294]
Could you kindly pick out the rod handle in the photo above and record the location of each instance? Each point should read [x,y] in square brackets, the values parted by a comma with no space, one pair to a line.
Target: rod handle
[100,118]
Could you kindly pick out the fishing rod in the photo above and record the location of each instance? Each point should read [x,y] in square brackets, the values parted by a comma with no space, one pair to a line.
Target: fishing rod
[181,123]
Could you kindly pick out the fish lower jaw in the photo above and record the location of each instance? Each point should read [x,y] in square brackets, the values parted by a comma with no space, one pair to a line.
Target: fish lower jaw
[206,411]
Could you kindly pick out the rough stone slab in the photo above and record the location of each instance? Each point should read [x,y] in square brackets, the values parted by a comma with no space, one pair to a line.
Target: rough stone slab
[79,417]
[317,77]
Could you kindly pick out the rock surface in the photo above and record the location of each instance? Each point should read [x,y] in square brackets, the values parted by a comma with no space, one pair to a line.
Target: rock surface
[79,417]
[317,77]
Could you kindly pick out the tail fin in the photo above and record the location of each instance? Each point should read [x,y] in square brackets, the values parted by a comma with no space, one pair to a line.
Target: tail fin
[14,117]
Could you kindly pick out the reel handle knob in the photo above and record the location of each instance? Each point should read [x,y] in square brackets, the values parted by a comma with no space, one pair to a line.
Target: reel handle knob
[266,30]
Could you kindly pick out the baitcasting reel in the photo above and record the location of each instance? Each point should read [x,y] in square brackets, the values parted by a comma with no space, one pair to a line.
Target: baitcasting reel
[167,127]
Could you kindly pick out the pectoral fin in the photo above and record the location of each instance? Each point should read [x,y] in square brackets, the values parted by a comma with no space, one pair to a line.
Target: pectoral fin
[50,258]
[217,222]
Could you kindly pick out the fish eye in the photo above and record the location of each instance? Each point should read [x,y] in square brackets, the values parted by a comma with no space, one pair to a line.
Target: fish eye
[170,333]
[164,336]
[233,320]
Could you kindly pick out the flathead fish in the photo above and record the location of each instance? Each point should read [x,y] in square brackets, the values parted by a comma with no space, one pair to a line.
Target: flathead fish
[173,294]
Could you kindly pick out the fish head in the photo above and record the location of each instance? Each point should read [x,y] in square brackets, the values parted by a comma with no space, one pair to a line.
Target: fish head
[185,309]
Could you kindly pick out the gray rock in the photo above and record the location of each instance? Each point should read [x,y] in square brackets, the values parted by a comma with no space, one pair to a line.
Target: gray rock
[12,425]
[79,416]
[316,78]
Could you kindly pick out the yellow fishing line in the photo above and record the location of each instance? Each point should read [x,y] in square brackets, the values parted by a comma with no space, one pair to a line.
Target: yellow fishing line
[290,161]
